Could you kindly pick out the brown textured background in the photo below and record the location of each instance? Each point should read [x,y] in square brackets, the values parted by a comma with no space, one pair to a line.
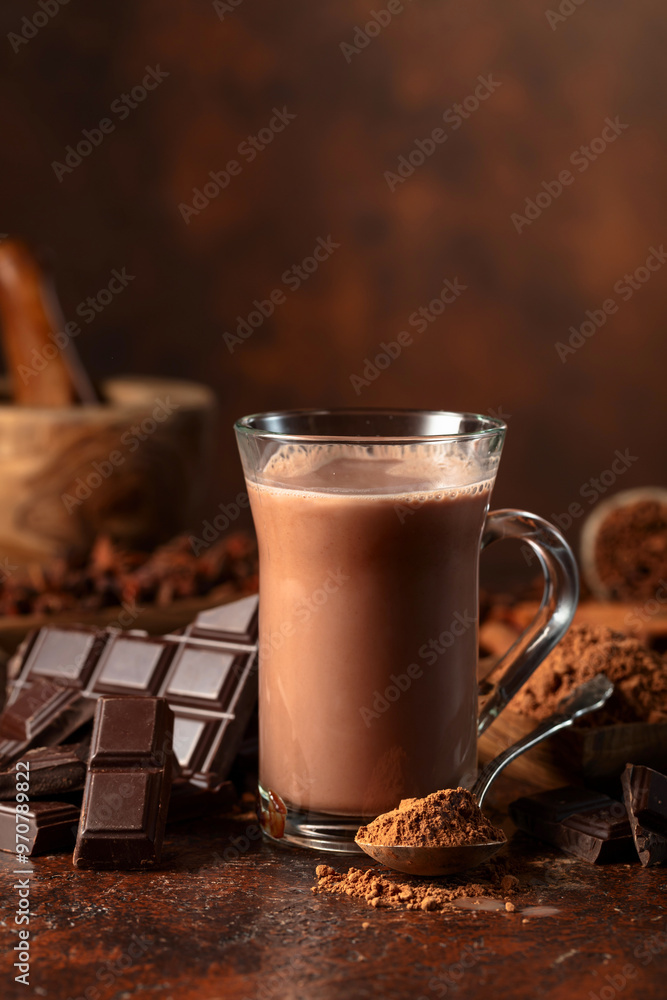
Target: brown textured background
[492,350]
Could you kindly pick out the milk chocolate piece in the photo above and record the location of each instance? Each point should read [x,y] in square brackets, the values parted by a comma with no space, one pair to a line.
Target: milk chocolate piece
[586,824]
[208,675]
[51,827]
[53,771]
[126,796]
[645,794]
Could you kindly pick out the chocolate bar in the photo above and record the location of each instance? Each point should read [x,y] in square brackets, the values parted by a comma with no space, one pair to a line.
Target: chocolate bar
[128,782]
[645,794]
[51,827]
[586,824]
[52,771]
[207,674]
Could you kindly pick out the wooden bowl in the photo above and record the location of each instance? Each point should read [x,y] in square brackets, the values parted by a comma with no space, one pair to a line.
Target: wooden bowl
[132,468]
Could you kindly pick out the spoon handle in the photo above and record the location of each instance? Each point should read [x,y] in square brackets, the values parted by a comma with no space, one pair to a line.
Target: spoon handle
[586,698]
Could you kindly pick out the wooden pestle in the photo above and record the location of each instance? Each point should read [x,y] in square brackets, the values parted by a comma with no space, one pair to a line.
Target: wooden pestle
[42,373]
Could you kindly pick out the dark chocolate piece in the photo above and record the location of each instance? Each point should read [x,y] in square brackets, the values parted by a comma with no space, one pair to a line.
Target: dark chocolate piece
[586,824]
[43,711]
[35,707]
[53,771]
[645,794]
[208,675]
[51,827]
[128,782]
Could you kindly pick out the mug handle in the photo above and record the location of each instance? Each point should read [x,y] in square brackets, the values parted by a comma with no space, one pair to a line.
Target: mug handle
[559,603]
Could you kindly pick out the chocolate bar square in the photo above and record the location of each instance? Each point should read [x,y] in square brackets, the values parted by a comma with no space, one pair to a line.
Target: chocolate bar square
[67,655]
[132,664]
[203,676]
[128,782]
[234,622]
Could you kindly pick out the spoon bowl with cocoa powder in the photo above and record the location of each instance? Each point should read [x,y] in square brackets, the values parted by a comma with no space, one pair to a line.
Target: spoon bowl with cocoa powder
[446,832]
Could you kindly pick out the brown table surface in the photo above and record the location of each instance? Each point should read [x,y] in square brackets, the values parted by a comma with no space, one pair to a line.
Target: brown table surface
[243,923]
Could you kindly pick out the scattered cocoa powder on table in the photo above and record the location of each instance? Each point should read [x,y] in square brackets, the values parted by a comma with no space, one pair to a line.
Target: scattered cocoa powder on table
[381,888]
[448,818]
[639,676]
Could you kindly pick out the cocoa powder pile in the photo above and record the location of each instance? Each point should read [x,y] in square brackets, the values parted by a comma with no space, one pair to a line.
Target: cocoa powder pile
[380,888]
[447,818]
[631,550]
[639,676]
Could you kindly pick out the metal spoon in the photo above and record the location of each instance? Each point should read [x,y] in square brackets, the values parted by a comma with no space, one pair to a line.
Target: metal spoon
[446,860]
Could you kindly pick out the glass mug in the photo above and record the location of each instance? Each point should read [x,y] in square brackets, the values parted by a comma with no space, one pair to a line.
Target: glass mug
[370,524]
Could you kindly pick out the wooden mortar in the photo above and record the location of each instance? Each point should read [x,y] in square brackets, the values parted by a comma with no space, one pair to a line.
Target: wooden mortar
[132,467]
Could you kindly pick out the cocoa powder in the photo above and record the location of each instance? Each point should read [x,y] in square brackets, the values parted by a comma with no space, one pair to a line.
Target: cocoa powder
[639,676]
[447,818]
[380,888]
